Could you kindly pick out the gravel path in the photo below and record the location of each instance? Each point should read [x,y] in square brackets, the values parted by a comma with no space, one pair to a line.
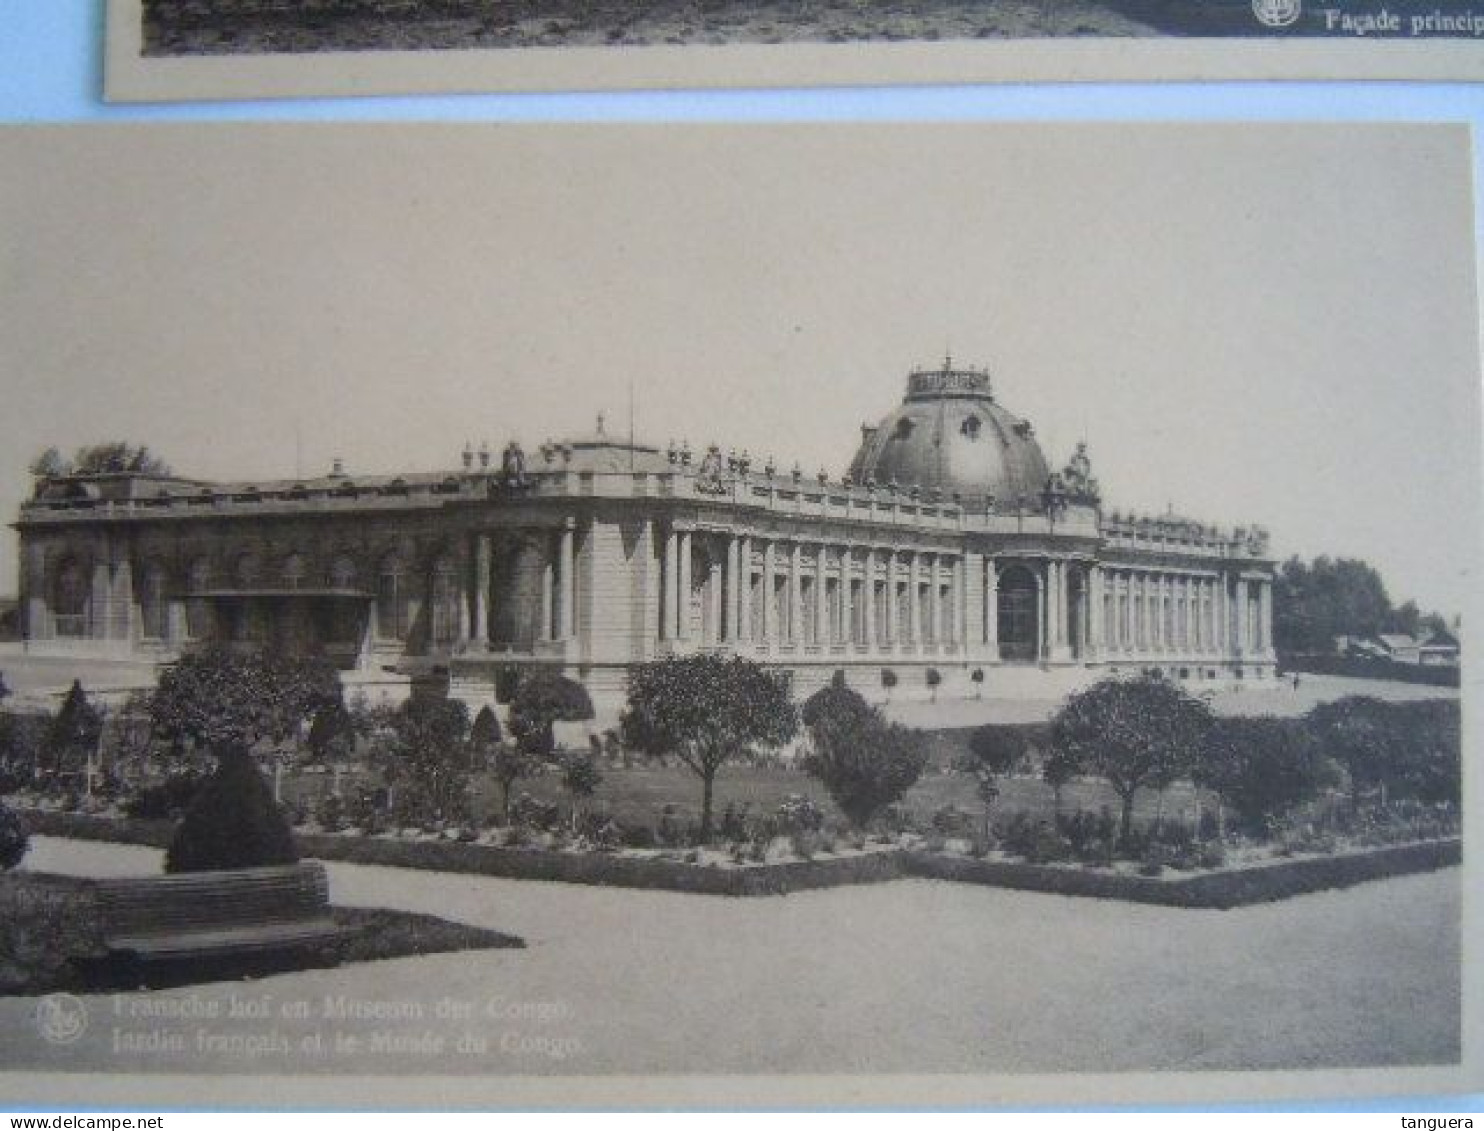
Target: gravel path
[911,976]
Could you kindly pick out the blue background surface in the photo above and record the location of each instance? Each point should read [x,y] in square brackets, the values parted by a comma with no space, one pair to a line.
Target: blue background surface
[51,70]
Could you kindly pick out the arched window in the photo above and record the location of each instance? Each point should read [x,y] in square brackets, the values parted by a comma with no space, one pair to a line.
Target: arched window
[249,569]
[1018,614]
[342,573]
[391,599]
[70,599]
[293,571]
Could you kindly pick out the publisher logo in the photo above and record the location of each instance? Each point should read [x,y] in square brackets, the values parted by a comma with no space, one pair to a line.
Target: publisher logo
[1277,13]
[61,1019]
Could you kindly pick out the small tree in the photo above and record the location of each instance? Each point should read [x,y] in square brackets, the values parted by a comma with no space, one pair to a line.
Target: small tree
[426,747]
[226,703]
[332,734]
[707,711]
[933,678]
[580,778]
[888,681]
[510,763]
[543,698]
[994,751]
[833,700]
[1359,732]
[72,738]
[977,675]
[865,762]
[1429,750]
[1262,767]
[1133,733]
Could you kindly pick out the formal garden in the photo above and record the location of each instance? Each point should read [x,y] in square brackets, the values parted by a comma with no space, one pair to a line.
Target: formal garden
[1131,776]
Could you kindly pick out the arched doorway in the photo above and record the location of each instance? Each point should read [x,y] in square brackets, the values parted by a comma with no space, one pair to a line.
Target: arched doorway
[1019,614]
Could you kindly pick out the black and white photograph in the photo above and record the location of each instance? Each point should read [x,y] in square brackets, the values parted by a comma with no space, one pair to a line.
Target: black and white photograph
[170,49]
[736,614]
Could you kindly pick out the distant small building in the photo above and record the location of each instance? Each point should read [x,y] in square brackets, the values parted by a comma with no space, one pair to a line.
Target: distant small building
[1398,647]
[1438,649]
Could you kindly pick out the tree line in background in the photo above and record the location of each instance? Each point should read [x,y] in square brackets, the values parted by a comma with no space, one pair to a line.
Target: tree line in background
[1315,602]
[108,457]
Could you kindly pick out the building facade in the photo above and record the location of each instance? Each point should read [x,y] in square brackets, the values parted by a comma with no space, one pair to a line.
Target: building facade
[950,545]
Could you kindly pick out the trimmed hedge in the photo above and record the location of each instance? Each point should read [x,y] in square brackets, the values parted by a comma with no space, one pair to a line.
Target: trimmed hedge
[1237,887]
[519,863]
[1359,668]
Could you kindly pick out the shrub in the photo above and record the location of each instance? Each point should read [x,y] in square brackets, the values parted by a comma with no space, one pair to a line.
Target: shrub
[543,698]
[14,840]
[167,799]
[1263,767]
[798,814]
[951,821]
[232,823]
[864,761]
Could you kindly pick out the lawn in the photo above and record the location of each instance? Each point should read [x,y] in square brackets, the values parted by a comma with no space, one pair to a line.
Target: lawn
[636,795]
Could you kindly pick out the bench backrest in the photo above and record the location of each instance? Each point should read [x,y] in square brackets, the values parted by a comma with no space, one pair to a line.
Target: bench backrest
[159,904]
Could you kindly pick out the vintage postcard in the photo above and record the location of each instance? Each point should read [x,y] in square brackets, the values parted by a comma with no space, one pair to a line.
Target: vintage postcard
[929,615]
[160,50]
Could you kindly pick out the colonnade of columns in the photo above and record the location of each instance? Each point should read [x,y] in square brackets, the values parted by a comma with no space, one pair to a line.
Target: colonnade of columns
[558,565]
[1151,612]
[790,594]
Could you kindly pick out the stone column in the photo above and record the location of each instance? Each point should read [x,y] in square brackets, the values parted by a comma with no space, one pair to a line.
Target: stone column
[868,595]
[770,618]
[547,570]
[1043,625]
[668,621]
[914,606]
[744,589]
[1265,617]
[935,599]
[961,602]
[569,582]
[483,581]
[727,630]
[683,624]
[992,607]
[821,606]
[1239,616]
[713,598]
[1095,611]
[795,594]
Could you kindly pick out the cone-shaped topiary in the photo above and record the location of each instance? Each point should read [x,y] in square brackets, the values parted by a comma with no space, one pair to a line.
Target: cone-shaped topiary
[232,823]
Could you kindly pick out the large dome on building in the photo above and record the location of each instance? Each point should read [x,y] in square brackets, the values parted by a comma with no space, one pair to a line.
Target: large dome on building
[952,437]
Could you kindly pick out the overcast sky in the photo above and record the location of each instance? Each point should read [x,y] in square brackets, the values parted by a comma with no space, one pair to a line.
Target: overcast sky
[1271,324]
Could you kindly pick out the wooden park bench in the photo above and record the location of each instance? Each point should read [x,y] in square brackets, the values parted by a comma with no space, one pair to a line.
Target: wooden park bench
[200,914]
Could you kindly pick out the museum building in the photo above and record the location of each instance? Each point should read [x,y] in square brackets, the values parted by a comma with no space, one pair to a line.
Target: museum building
[950,554]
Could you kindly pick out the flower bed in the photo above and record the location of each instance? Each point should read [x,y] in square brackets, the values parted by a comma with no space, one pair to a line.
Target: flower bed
[1252,880]
[1256,882]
